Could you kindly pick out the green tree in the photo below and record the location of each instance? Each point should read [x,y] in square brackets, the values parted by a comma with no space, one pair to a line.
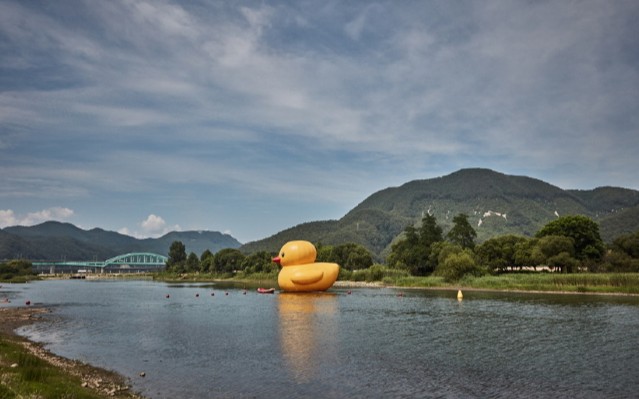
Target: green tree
[177,257]
[206,261]
[527,253]
[192,263]
[556,251]
[499,253]
[228,260]
[462,232]
[430,233]
[584,232]
[623,255]
[351,256]
[564,262]
[413,252]
[442,250]
[324,252]
[15,268]
[403,253]
[620,262]
[457,265]
[628,244]
[259,262]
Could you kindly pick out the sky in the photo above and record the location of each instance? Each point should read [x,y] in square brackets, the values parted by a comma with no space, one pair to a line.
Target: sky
[250,117]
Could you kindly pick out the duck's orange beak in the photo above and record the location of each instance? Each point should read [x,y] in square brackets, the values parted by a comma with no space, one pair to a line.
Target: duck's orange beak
[277,260]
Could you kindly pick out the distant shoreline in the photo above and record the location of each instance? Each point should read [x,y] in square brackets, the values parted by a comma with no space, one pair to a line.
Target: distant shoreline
[378,284]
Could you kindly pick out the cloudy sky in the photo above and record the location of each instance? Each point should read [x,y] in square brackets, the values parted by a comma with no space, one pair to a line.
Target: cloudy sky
[249,117]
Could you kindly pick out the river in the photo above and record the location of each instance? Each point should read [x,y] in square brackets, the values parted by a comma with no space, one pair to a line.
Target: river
[217,341]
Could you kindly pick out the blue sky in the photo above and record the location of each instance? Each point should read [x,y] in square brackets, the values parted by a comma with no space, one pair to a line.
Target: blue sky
[249,117]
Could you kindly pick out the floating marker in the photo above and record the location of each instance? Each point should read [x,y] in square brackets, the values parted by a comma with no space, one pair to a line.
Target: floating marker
[460,296]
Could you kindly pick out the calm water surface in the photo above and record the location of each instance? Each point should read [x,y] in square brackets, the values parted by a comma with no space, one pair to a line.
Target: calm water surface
[371,343]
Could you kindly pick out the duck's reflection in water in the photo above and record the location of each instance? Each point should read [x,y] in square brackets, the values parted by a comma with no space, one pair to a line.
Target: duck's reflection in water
[308,332]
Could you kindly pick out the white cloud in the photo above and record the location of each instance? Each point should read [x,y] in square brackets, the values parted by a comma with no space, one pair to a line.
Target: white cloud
[240,94]
[9,218]
[125,231]
[153,224]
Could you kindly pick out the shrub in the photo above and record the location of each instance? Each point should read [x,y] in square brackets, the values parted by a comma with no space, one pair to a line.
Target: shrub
[458,265]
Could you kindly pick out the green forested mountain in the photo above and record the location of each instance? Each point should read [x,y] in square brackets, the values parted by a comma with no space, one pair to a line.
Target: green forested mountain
[57,241]
[496,204]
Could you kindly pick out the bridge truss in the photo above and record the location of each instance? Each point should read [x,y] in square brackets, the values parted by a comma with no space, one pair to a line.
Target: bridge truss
[131,262]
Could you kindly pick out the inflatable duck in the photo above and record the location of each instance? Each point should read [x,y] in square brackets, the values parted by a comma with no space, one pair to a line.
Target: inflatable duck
[300,272]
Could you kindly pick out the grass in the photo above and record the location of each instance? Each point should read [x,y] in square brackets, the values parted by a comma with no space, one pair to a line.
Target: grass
[624,283]
[23,375]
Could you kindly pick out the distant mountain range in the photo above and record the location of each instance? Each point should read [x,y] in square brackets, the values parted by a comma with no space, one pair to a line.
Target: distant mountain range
[64,241]
[496,204]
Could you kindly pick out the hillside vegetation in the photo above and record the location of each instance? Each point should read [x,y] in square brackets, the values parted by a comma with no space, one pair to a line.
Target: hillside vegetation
[496,204]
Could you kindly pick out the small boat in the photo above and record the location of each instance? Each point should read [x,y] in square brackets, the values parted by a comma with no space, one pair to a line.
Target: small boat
[266,290]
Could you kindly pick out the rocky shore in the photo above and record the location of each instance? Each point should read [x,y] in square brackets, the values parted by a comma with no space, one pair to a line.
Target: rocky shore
[105,383]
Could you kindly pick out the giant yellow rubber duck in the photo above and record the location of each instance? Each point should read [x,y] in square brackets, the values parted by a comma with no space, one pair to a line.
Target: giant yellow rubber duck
[300,272]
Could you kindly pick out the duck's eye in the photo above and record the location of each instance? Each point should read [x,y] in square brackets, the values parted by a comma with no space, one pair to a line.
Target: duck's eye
[282,255]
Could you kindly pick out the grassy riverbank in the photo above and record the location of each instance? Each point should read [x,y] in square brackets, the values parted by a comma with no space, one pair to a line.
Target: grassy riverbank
[29,371]
[604,283]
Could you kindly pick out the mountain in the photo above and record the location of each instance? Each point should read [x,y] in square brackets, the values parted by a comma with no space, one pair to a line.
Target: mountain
[496,204]
[56,240]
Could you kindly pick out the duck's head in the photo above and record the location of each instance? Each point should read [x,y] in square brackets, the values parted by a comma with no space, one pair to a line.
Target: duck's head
[296,253]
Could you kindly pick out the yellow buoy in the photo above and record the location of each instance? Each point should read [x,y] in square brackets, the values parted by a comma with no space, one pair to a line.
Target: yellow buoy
[460,296]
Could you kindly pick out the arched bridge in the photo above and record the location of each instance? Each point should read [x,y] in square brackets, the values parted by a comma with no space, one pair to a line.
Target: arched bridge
[134,261]
[137,259]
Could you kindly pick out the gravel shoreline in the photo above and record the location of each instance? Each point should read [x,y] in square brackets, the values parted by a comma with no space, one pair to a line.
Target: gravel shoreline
[106,383]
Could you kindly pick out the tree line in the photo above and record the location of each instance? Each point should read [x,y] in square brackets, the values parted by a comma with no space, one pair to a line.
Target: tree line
[230,261]
[16,270]
[568,244]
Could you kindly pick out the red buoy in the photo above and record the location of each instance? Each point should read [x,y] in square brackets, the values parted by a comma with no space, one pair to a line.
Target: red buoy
[168,296]
[28,303]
